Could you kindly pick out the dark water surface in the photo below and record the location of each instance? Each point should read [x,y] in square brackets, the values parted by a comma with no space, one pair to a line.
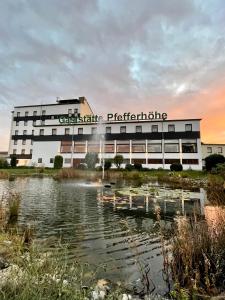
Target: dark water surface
[94,229]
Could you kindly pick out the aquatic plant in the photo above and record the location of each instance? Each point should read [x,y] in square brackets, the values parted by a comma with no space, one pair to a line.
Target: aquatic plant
[4,175]
[198,255]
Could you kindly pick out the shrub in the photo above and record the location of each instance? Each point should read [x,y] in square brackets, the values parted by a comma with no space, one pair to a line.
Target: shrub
[91,159]
[213,160]
[13,161]
[129,167]
[118,160]
[138,166]
[176,167]
[58,162]
[221,170]
[107,164]
[98,168]
[82,167]
[3,164]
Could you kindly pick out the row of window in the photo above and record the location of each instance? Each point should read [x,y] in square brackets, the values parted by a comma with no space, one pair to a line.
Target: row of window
[43,112]
[134,161]
[219,150]
[171,128]
[66,147]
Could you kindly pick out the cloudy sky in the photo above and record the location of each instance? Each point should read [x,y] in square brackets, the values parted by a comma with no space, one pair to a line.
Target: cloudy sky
[122,55]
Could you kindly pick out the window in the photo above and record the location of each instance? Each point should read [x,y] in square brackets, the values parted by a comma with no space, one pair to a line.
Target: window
[23,142]
[31,151]
[26,113]
[70,111]
[15,142]
[25,123]
[109,148]
[209,149]
[66,146]
[34,122]
[220,150]
[23,151]
[42,122]
[54,131]
[93,147]
[139,161]
[138,129]
[122,129]
[155,161]
[43,112]
[93,130]
[14,151]
[171,128]
[154,148]
[67,131]
[138,148]
[80,147]
[189,147]
[17,123]
[25,132]
[51,160]
[170,161]
[18,114]
[188,127]
[123,148]
[67,161]
[190,162]
[32,132]
[34,113]
[154,128]
[171,148]
[41,131]
[80,130]
[75,111]
[108,129]
[16,132]
[40,160]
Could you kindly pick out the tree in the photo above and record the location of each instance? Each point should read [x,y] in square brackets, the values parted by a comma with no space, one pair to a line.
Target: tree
[118,160]
[58,162]
[91,159]
[13,161]
[211,161]
[107,164]
[3,164]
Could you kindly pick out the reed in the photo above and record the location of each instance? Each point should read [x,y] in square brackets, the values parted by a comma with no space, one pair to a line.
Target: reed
[4,175]
[198,256]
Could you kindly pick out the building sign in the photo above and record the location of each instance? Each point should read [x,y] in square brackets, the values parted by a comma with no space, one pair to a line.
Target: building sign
[127,116]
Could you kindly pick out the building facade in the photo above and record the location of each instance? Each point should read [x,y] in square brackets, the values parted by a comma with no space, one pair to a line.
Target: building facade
[209,149]
[39,133]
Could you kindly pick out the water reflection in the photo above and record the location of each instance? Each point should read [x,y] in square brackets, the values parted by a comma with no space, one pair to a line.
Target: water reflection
[88,220]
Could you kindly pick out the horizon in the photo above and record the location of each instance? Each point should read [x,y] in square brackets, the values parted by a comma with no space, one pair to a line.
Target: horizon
[121,55]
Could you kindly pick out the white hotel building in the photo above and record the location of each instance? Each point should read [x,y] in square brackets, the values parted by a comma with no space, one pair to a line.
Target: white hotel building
[37,136]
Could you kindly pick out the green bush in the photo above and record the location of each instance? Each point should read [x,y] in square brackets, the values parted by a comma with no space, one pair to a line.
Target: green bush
[138,166]
[58,162]
[213,160]
[98,168]
[3,163]
[82,167]
[176,167]
[107,164]
[91,159]
[118,160]
[13,161]
[129,167]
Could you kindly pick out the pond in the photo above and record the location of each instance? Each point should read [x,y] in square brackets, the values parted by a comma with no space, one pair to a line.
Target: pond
[114,227]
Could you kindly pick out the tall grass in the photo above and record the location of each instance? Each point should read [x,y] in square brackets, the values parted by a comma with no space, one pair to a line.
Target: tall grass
[4,175]
[198,256]
[9,207]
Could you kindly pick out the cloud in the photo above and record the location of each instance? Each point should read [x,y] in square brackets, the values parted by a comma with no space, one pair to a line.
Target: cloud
[121,55]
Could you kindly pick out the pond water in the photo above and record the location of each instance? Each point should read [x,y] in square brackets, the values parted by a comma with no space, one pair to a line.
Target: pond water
[115,227]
